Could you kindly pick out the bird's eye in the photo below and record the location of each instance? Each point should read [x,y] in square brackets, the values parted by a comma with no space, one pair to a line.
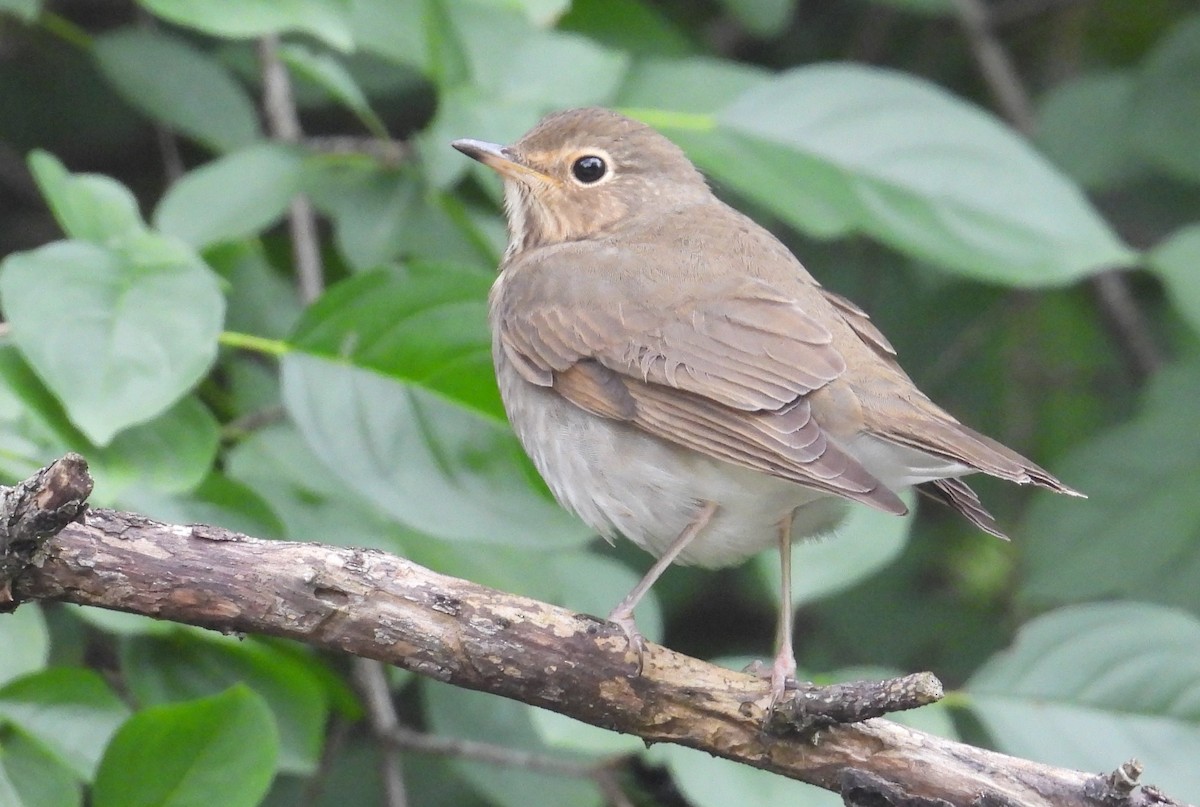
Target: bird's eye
[589,169]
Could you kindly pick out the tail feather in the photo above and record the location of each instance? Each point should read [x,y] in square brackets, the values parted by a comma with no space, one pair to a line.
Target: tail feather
[958,496]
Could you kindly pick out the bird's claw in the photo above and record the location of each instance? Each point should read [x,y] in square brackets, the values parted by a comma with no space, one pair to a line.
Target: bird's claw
[637,642]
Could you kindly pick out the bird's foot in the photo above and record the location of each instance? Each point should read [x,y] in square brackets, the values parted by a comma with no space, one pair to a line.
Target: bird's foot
[782,677]
[623,619]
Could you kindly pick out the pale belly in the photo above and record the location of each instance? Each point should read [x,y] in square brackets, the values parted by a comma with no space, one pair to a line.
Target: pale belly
[622,481]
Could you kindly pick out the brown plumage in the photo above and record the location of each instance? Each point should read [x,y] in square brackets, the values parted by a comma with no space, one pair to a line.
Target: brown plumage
[680,379]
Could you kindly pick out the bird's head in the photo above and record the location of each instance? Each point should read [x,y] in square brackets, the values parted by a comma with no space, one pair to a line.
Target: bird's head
[586,172]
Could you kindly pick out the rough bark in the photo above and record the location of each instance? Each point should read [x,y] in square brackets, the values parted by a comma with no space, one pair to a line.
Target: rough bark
[380,606]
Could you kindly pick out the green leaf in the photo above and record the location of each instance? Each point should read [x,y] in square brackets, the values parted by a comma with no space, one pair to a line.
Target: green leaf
[178,85]
[514,74]
[187,665]
[1083,127]
[465,714]
[437,467]
[89,207]
[217,500]
[118,336]
[1177,263]
[697,85]
[1166,102]
[900,159]
[1145,472]
[25,641]
[71,712]
[424,325]
[931,7]
[172,453]
[331,75]
[312,503]
[232,197]
[761,17]
[31,777]
[24,10]
[218,750]
[866,542]
[1089,686]
[629,25]
[382,215]
[395,31]
[327,20]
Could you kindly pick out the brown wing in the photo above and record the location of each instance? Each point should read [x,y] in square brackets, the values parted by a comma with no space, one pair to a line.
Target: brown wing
[725,375]
[746,347]
[860,321]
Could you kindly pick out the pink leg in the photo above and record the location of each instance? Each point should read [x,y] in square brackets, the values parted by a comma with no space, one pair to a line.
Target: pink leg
[783,669]
[622,615]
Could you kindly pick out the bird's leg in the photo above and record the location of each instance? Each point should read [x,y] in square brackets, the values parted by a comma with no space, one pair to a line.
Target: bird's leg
[622,615]
[783,669]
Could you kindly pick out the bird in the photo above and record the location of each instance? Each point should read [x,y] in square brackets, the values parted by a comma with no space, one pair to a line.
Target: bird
[679,379]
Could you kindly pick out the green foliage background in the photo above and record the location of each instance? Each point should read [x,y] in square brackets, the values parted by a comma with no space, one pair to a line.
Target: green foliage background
[153,325]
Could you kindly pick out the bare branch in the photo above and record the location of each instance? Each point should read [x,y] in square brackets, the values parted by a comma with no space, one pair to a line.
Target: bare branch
[371,679]
[379,606]
[284,124]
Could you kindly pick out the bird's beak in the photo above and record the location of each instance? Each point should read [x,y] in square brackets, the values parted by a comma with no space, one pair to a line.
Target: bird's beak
[500,159]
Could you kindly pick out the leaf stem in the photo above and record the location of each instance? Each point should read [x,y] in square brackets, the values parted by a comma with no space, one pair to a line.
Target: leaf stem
[256,344]
[670,119]
[65,30]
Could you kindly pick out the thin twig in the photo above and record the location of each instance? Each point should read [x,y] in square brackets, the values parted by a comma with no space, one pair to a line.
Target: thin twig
[284,124]
[1127,324]
[335,739]
[388,152]
[602,775]
[370,678]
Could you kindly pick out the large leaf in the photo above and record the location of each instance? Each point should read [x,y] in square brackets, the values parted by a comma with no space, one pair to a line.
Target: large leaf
[485,718]
[89,207]
[32,777]
[437,467]
[178,85]
[498,75]
[1138,535]
[1090,686]
[835,149]
[425,325]
[1177,262]
[1099,104]
[218,750]
[1166,104]
[71,712]
[187,665]
[761,17]
[327,20]
[929,174]
[863,544]
[312,502]
[173,453]
[117,335]
[25,641]
[235,196]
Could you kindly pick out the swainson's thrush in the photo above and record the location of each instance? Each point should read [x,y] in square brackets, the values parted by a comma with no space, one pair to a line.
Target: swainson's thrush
[679,378]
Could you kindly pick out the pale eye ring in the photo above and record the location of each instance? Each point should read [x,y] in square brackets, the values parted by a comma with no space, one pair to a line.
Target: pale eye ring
[589,169]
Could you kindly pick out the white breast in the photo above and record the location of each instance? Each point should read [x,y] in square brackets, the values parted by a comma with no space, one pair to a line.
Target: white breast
[620,480]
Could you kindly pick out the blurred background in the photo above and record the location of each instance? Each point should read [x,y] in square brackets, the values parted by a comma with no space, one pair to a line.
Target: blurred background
[245,275]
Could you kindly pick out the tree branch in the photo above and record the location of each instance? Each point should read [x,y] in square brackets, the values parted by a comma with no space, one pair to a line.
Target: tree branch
[379,606]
